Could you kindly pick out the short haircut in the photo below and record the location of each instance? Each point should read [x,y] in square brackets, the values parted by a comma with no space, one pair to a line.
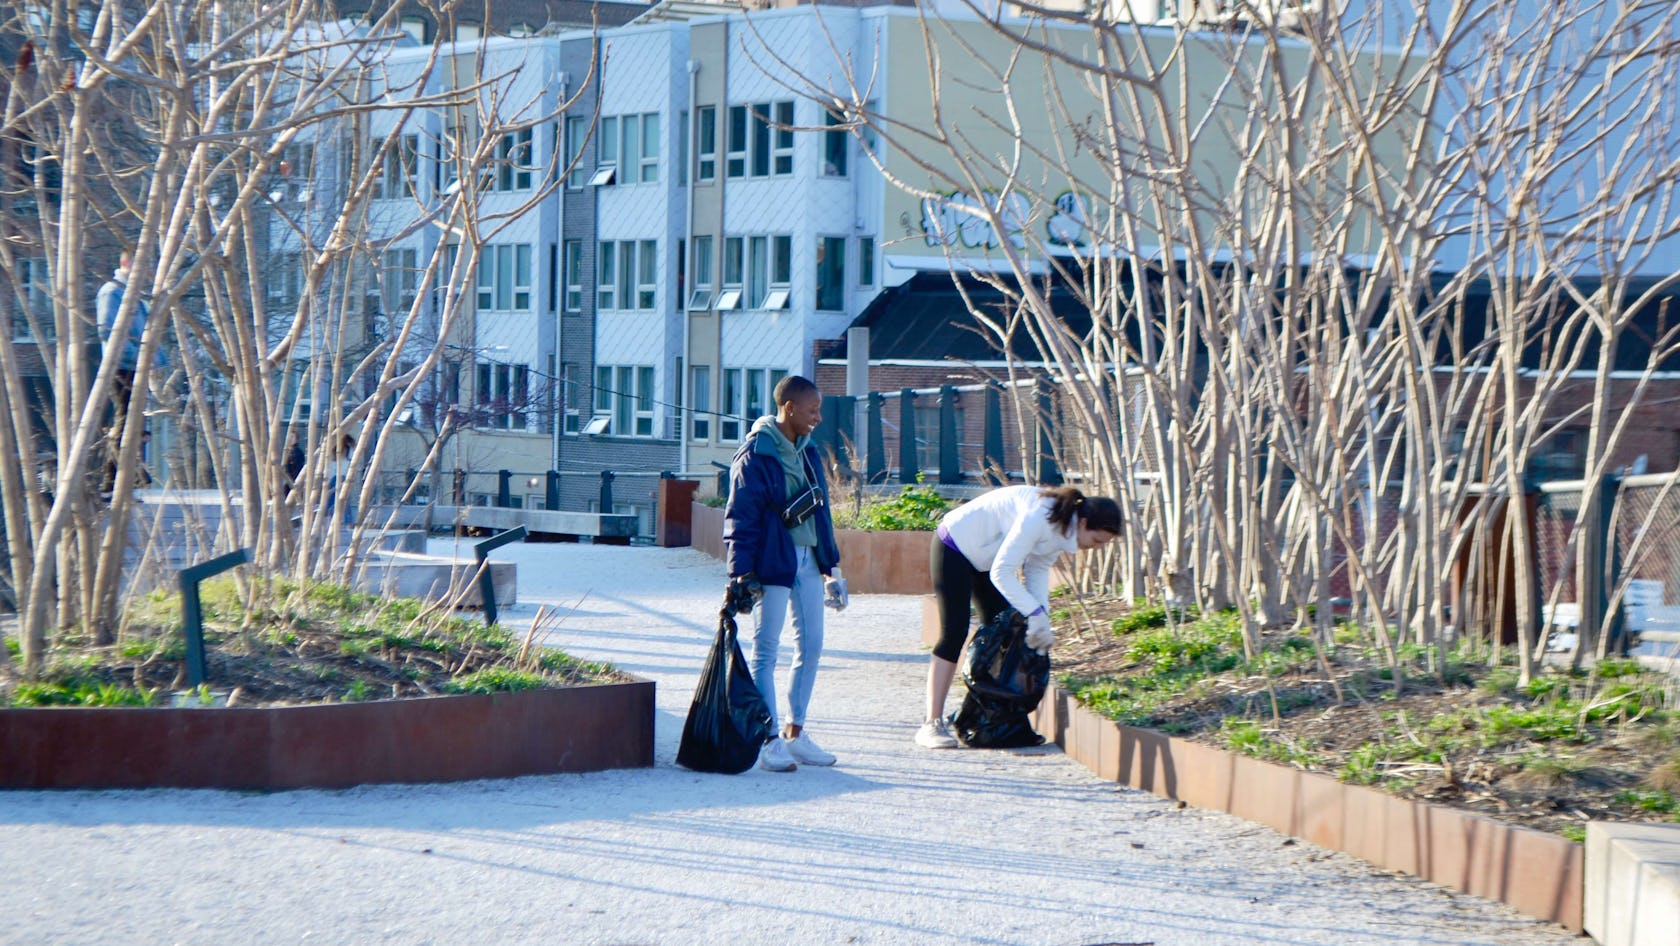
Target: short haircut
[794,387]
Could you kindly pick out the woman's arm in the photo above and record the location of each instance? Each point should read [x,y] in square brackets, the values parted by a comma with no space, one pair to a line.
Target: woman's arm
[1016,554]
[743,517]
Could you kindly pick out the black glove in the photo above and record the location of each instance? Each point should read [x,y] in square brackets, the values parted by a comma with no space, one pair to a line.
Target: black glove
[742,593]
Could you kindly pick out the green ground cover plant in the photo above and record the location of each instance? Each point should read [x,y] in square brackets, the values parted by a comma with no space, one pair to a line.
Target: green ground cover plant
[1456,727]
[299,643]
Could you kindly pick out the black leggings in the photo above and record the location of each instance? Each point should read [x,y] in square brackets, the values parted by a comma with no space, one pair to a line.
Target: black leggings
[957,582]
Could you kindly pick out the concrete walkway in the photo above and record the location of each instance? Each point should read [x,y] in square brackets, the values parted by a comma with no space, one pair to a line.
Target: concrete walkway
[896,845]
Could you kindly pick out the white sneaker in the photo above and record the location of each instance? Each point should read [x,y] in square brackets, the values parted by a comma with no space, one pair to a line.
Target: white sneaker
[935,734]
[806,752]
[774,757]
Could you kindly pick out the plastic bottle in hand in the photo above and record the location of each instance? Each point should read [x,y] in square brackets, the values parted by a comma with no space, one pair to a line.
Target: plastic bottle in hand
[834,592]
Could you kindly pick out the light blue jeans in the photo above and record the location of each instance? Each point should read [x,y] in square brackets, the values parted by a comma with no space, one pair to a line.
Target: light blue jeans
[806,599]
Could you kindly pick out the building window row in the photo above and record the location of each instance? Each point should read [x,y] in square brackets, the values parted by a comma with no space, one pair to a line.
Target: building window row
[627,274]
[504,278]
[627,149]
[623,401]
[503,394]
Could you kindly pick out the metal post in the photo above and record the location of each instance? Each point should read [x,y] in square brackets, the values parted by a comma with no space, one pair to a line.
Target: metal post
[481,553]
[950,461]
[504,489]
[908,470]
[992,462]
[876,457]
[551,497]
[606,491]
[1049,474]
[192,612]
[843,429]
[460,486]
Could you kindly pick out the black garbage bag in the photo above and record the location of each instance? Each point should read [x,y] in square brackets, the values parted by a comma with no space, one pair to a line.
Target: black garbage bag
[1006,679]
[728,722]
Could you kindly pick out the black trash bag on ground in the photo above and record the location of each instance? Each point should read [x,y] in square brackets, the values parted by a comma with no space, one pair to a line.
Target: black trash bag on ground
[728,722]
[1006,680]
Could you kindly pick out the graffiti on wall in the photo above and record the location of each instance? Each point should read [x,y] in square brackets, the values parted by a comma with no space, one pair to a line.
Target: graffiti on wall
[958,219]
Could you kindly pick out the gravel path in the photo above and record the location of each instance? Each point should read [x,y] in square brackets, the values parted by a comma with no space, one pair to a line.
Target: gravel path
[896,845]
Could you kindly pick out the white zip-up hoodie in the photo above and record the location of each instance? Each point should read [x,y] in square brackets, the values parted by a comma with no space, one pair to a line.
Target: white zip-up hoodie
[1007,532]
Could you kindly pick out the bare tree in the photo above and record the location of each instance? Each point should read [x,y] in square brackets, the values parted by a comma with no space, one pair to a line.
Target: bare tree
[181,135]
[1345,270]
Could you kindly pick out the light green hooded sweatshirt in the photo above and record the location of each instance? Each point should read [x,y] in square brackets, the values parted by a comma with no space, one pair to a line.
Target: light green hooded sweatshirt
[771,440]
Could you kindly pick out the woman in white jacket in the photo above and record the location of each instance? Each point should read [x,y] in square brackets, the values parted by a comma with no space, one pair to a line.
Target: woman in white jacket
[997,551]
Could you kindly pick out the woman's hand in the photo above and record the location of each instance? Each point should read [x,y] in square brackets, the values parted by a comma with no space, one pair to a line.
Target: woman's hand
[1039,635]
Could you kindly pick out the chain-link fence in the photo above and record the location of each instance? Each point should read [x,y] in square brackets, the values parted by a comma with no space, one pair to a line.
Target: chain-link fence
[1612,567]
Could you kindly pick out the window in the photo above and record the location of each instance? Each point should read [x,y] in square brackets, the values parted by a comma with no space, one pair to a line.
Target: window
[33,295]
[647,269]
[448,151]
[400,280]
[577,128]
[504,278]
[769,269]
[644,402]
[284,286]
[782,153]
[735,160]
[574,275]
[835,146]
[296,170]
[866,261]
[701,264]
[468,32]
[650,147]
[682,148]
[700,400]
[414,26]
[761,136]
[513,161]
[399,167]
[569,396]
[603,390]
[729,426]
[624,399]
[502,394]
[705,151]
[831,273]
[1561,456]
[627,274]
[606,143]
[746,397]
[630,148]
[606,276]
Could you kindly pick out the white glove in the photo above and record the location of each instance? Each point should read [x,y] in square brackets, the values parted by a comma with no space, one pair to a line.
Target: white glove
[1039,634]
[835,596]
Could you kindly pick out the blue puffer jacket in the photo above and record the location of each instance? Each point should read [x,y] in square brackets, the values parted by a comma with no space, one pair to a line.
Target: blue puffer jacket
[752,522]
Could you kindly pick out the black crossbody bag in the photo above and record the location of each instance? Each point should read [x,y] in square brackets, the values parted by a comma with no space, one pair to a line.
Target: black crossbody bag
[805,505]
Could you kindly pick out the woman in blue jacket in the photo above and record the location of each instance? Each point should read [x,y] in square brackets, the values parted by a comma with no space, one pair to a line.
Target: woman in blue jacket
[780,533]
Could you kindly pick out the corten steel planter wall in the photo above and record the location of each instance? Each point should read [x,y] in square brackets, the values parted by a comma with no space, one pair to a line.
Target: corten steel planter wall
[706,529]
[1537,873]
[874,563]
[431,739]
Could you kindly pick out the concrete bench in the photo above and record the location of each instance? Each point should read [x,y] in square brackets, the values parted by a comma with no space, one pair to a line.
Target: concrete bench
[435,578]
[1633,884]
[605,528]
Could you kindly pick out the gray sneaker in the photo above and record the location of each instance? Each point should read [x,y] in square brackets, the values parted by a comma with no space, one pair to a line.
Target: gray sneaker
[774,757]
[935,734]
[806,752]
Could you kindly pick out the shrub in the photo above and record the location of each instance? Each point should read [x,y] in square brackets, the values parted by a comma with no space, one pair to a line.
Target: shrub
[916,508]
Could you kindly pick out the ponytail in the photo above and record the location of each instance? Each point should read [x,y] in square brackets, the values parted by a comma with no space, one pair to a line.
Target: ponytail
[1066,503]
[1069,505]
